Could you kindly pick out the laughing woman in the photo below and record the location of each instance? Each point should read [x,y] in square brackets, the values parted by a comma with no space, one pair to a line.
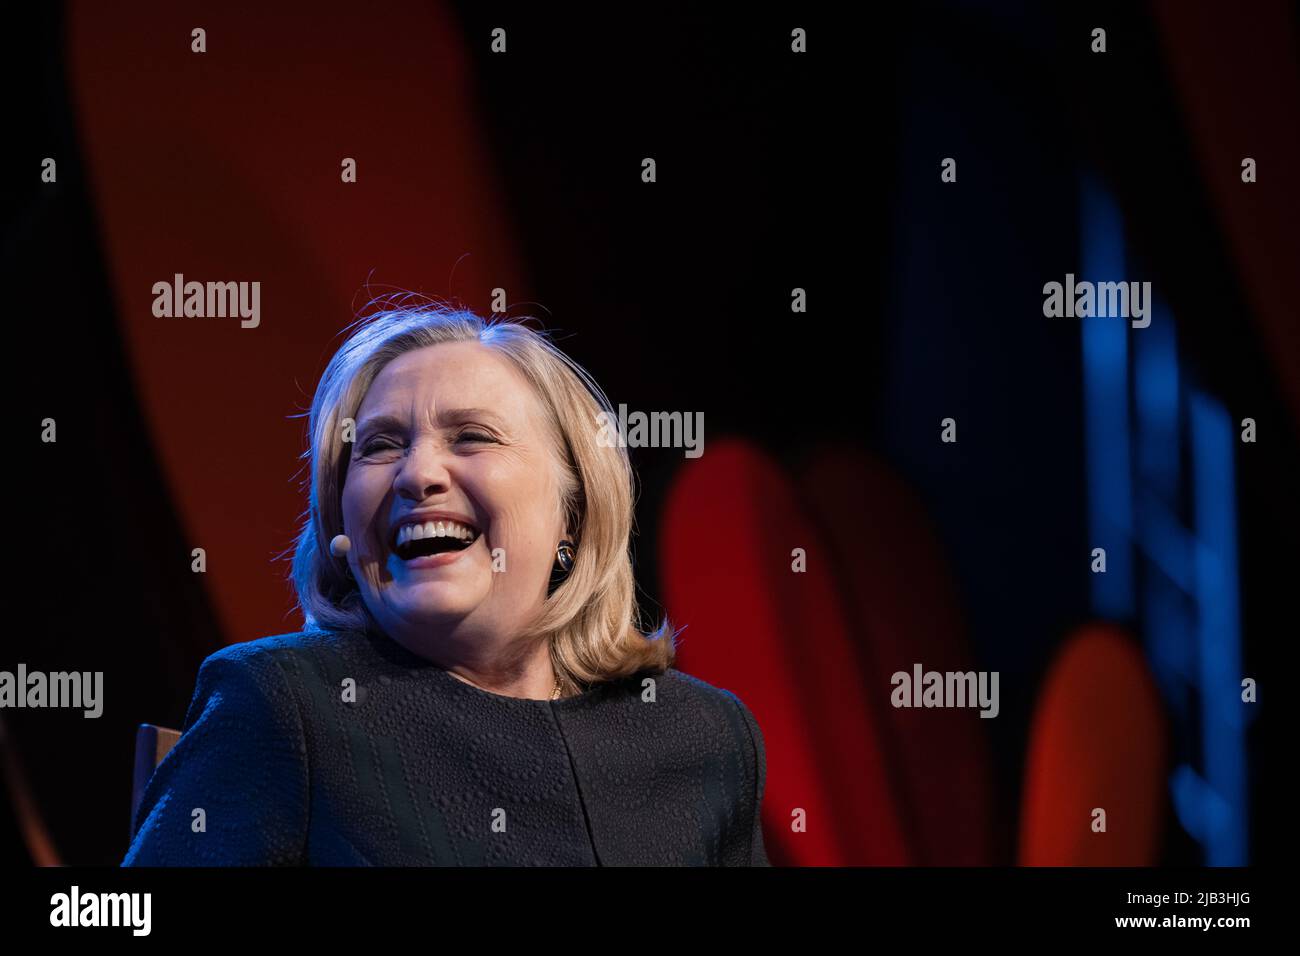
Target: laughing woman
[472,686]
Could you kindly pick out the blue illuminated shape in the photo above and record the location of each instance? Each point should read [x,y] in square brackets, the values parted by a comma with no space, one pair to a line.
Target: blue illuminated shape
[1186,551]
[1168,613]
[1218,636]
[1105,396]
[1155,385]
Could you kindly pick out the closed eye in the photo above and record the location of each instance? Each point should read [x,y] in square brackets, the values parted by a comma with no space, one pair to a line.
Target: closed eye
[381,443]
[376,444]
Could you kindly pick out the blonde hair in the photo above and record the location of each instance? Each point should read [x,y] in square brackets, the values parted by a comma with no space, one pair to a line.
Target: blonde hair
[592,620]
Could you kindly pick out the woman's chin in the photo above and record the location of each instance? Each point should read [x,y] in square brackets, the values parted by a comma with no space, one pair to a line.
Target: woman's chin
[430,601]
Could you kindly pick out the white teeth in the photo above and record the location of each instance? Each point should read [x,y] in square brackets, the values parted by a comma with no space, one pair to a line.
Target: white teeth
[434,529]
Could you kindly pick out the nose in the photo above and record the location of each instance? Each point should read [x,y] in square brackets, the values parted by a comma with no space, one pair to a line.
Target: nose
[424,471]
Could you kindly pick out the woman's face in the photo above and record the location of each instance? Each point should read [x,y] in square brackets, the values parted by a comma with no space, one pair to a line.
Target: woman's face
[452,428]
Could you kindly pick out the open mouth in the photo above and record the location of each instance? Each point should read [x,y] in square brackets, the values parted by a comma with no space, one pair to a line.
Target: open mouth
[432,537]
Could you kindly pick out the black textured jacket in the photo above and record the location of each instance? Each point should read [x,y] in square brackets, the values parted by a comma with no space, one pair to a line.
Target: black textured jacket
[423,769]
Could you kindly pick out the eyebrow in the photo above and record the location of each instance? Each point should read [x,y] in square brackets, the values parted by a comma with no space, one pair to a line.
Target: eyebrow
[450,416]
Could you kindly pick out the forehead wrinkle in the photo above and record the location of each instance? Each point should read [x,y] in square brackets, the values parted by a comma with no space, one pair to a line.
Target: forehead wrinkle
[451,416]
[522,414]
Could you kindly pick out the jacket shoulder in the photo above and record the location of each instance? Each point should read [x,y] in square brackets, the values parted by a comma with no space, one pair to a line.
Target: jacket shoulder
[258,658]
[275,646]
[700,695]
[745,845]
[701,692]
[241,760]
